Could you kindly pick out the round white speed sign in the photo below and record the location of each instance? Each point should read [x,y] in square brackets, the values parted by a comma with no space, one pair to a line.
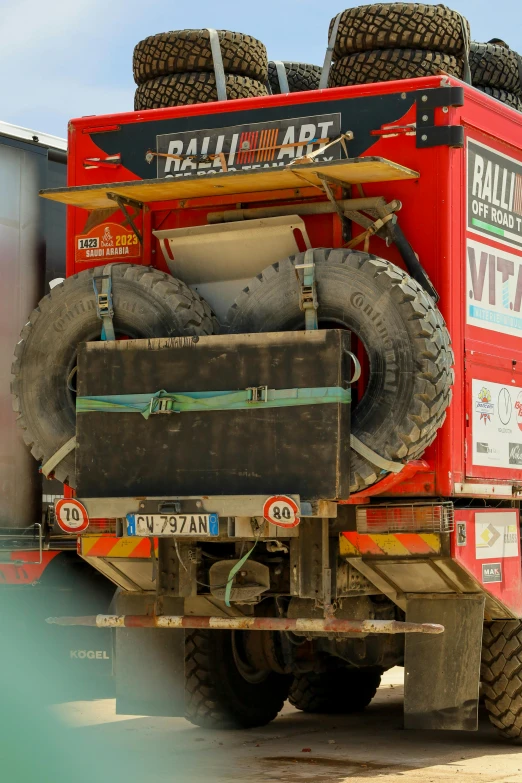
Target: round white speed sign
[71,515]
[282,511]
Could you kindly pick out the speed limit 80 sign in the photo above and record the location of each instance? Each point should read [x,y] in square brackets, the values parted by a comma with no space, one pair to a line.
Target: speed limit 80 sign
[282,511]
[71,515]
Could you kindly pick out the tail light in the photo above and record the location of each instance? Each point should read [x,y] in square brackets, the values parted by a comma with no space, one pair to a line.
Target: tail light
[407,518]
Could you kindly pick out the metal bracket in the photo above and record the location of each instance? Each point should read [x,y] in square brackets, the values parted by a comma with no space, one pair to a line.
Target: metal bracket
[429,134]
[308,301]
[257,394]
[123,203]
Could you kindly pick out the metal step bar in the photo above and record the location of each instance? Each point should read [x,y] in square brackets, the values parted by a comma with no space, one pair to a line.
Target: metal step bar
[303,625]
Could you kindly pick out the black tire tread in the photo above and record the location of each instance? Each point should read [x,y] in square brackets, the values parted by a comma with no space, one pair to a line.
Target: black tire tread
[207,703]
[382,65]
[190,309]
[433,355]
[399,25]
[178,51]
[183,89]
[301,77]
[339,691]
[495,66]
[501,673]
[509,98]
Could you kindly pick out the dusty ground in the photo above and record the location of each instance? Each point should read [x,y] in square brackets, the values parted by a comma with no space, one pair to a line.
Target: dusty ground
[298,747]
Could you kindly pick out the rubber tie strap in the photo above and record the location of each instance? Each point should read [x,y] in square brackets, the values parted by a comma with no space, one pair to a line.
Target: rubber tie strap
[49,466]
[104,304]
[282,77]
[219,70]
[323,81]
[375,459]
[169,402]
[233,572]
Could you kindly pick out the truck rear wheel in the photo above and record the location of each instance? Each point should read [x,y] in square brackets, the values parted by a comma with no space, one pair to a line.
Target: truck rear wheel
[502,677]
[404,334]
[223,689]
[338,691]
[147,303]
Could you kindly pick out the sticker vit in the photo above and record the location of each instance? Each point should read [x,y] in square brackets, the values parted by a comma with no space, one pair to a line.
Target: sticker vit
[494,289]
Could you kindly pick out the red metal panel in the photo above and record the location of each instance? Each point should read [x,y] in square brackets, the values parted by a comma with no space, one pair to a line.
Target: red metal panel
[433,218]
[486,543]
[27,569]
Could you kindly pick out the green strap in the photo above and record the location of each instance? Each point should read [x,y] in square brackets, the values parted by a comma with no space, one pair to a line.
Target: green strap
[172,402]
[233,572]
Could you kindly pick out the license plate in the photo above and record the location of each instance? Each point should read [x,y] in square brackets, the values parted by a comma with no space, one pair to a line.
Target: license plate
[173,525]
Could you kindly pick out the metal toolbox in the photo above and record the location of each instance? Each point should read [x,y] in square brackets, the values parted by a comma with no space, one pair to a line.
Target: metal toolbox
[269,444]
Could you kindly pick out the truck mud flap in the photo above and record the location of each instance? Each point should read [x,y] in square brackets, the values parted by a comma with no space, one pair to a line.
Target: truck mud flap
[149,663]
[442,673]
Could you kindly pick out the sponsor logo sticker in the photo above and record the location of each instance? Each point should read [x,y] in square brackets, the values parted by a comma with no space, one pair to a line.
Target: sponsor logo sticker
[484,406]
[515,454]
[496,534]
[107,242]
[491,572]
[494,192]
[461,534]
[260,145]
[495,444]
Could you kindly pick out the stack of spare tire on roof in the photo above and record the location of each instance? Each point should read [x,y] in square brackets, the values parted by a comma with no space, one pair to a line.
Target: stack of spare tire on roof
[497,70]
[373,43]
[177,68]
[388,41]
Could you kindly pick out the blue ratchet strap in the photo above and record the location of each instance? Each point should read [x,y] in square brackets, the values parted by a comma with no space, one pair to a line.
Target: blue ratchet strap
[104,305]
[172,402]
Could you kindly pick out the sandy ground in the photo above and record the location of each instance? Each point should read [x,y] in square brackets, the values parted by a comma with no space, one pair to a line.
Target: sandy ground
[298,747]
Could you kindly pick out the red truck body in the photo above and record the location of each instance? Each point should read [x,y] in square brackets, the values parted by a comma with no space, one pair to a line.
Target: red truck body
[462,216]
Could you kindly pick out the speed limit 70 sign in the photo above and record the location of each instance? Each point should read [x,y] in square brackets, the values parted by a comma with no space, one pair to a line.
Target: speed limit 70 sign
[71,515]
[282,511]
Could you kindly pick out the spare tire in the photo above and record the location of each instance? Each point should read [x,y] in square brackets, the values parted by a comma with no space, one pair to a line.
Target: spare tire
[147,303]
[181,89]
[399,26]
[301,77]
[503,96]
[384,65]
[406,340]
[495,66]
[189,50]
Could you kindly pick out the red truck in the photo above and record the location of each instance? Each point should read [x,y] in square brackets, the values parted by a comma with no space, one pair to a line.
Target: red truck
[297,448]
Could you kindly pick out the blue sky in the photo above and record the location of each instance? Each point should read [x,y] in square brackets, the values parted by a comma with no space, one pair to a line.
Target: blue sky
[67,58]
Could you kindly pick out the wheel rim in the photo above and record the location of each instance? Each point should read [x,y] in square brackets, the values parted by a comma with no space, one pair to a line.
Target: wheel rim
[249,672]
